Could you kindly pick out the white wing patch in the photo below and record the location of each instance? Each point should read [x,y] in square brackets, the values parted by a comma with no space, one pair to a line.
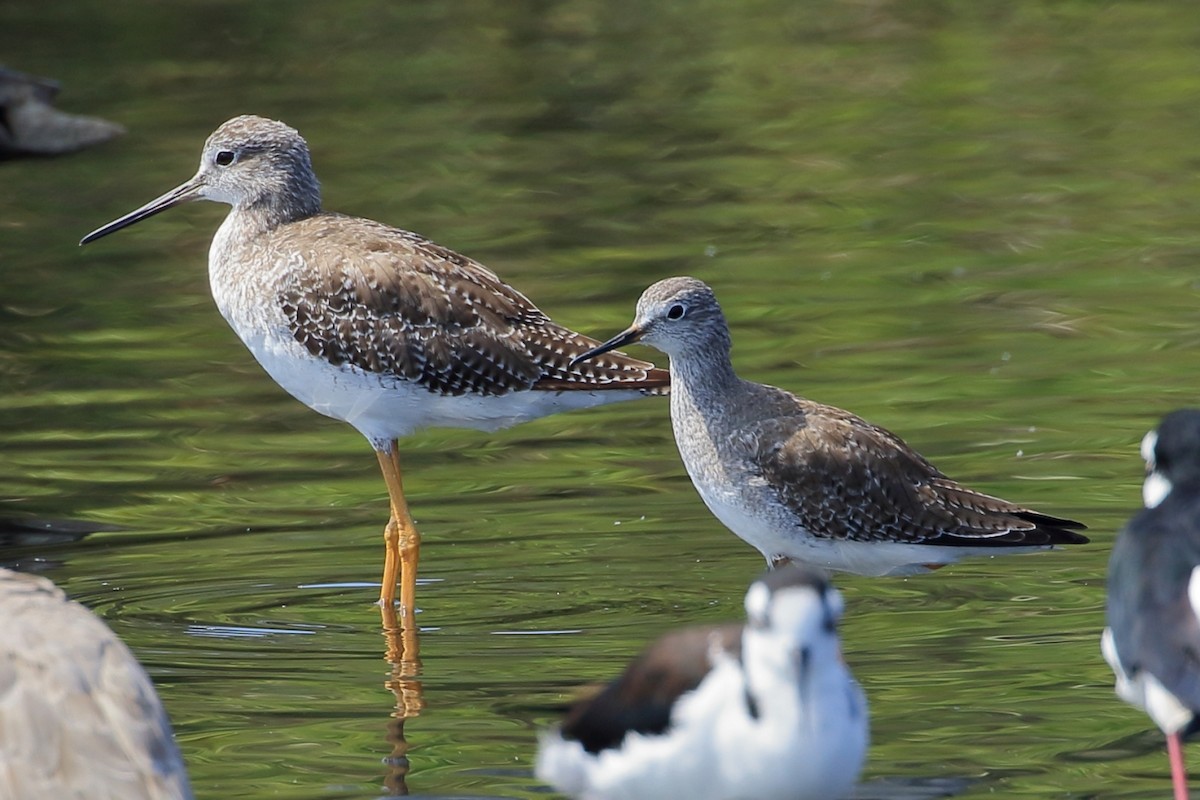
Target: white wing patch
[1149,442]
[1155,489]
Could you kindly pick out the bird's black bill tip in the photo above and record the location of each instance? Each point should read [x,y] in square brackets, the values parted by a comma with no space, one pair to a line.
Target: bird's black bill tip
[623,338]
[124,222]
[94,235]
[180,194]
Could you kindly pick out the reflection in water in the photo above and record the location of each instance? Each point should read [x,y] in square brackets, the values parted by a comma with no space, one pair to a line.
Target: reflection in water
[396,780]
[40,531]
[910,788]
[403,656]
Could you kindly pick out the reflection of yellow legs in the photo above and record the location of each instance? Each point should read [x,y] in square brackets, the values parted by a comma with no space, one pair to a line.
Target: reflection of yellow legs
[405,685]
[396,762]
[401,540]
[403,656]
[403,648]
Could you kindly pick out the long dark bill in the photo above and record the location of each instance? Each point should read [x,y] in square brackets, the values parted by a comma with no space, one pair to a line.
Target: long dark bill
[631,334]
[180,194]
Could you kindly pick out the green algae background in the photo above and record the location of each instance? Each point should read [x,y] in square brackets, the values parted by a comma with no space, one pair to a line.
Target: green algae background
[971,222]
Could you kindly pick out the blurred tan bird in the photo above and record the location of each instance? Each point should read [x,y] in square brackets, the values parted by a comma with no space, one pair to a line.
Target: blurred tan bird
[78,714]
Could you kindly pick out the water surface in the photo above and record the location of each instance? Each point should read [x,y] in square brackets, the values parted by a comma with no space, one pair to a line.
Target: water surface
[971,223]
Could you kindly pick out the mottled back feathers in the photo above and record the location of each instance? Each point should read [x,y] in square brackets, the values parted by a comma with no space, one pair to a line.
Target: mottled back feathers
[393,303]
[851,480]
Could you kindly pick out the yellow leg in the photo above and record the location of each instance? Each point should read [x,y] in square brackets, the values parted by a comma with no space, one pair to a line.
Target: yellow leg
[401,540]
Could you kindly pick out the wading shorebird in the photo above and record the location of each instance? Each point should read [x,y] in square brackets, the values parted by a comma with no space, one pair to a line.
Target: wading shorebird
[765,710]
[377,326]
[1152,641]
[810,482]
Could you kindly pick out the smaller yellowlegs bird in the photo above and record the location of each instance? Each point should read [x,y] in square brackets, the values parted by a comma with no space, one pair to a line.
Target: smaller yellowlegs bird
[810,482]
[766,710]
[377,326]
[1152,641]
[79,715]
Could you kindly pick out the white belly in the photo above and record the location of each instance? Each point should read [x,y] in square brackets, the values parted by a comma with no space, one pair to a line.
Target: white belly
[383,408]
[775,533]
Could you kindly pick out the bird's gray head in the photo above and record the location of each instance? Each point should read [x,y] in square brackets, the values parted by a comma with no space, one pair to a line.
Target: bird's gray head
[1172,455]
[250,163]
[674,315]
[249,159]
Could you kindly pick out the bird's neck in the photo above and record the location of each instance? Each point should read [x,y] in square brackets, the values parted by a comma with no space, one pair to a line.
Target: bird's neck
[235,253]
[769,675]
[272,211]
[775,669]
[704,376]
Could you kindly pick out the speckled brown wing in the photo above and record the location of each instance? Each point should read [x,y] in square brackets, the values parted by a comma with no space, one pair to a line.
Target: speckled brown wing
[850,480]
[641,699]
[391,302]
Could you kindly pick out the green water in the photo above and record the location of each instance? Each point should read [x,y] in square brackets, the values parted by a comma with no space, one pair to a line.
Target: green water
[970,222]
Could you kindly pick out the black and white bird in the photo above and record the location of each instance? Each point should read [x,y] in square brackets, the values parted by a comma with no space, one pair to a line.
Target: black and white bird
[763,710]
[1152,641]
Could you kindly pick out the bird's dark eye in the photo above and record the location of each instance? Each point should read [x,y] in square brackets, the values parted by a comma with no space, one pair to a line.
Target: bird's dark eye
[676,311]
[224,158]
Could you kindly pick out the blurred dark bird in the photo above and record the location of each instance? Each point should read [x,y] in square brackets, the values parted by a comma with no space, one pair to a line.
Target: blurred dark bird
[1152,641]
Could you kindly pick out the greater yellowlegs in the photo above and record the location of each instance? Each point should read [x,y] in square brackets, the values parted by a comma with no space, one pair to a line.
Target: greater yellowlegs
[78,713]
[374,325]
[805,481]
[764,710]
[1152,641]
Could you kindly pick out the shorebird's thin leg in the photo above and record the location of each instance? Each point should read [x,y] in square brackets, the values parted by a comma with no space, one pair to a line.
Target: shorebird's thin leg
[1178,769]
[401,540]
